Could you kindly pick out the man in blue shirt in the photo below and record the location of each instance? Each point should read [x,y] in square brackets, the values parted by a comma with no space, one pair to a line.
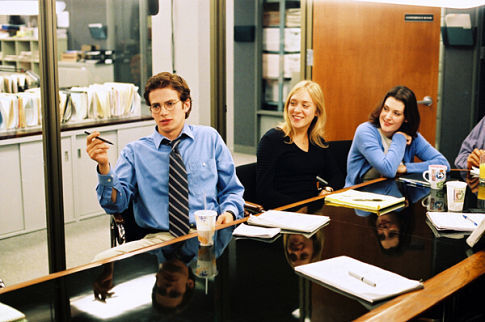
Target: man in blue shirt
[141,173]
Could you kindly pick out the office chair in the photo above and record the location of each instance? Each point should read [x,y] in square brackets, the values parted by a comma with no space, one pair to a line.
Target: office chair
[123,227]
[247,175]
[340,151]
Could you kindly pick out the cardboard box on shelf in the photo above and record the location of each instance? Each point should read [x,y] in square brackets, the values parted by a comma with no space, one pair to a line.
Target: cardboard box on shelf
[71,55]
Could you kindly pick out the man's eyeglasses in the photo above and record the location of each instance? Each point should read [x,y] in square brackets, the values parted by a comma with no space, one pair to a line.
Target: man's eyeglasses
[168,105]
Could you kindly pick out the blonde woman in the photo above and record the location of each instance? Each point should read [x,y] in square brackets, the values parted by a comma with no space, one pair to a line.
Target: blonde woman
[291,156]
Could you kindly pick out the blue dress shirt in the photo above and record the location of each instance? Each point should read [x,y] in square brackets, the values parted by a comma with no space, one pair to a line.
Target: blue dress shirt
[141,174]
[367,151]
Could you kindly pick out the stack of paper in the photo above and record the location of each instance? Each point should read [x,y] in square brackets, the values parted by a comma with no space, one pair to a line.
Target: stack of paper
[254,231]
[414,179]
[8,313]
[446,233]
[293,17]
[455,220]
[475,171]
[357,278]
[362,200]
[292,221]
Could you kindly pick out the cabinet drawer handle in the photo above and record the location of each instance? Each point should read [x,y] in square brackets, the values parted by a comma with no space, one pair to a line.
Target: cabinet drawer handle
[79,153]
[66,156]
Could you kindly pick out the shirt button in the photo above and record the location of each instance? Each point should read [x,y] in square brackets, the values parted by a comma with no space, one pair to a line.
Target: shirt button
[203,164]
[109,180]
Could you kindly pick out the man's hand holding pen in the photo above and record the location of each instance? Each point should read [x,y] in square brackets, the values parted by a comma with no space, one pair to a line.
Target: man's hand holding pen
[323,190]
[97,149]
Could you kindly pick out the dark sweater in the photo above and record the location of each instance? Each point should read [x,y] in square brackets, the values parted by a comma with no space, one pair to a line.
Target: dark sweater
[286,174]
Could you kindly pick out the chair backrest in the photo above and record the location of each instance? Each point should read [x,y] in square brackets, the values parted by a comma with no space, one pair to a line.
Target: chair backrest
[247,175]
[125,229]
[340,151]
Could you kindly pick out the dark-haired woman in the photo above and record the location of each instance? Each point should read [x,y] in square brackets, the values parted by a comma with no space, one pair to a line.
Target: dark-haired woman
[388,143]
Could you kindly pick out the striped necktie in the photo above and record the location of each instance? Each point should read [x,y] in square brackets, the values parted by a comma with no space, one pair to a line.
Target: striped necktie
[178,193]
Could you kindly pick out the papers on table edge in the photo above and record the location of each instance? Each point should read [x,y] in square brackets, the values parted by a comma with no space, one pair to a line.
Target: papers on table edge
[356,278]
[255,231]
[414,182]
[291,221]
[475,171]
[363,200]
[456,221]
[8,313]
[445,233]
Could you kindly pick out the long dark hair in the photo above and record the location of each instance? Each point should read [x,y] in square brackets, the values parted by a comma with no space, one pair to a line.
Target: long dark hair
[411,114]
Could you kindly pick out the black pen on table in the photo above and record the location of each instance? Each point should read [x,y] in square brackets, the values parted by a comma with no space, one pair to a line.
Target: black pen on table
[99,138]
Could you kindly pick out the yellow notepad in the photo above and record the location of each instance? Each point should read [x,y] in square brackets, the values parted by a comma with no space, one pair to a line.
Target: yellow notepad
[363,200]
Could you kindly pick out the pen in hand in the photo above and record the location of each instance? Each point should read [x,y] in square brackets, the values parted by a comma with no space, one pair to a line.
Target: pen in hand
[99,138]
[364,199]
[321,180]
[362,279]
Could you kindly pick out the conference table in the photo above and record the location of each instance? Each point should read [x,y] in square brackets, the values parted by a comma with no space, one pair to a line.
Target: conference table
[253,279]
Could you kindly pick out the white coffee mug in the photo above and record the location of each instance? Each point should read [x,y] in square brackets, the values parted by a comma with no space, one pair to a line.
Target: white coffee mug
[435,175]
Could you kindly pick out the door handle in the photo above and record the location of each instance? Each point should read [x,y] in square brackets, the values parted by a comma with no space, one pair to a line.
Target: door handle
[427,100]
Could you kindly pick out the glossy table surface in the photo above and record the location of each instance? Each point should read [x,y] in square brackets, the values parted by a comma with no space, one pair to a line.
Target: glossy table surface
[244,279]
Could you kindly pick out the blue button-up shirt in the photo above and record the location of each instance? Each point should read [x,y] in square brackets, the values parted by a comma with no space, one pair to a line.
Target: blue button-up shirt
[141,174]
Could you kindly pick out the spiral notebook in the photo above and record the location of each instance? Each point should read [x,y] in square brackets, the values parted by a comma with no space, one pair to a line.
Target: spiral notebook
[456,221]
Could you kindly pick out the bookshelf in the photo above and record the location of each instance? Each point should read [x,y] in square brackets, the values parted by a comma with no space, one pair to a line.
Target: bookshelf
[23,52]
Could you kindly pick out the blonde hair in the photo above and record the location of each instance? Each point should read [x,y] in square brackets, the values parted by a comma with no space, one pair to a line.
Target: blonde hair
[317,127]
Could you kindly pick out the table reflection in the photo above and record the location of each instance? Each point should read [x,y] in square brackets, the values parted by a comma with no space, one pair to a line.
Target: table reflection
[187,282]
[175,270]
[301,250]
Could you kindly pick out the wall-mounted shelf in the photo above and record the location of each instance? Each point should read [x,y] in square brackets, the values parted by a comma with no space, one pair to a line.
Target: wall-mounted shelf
[266,68]
[23,52]
[280,59]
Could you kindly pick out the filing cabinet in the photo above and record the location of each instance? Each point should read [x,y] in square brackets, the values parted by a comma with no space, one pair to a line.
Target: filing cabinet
[21,161]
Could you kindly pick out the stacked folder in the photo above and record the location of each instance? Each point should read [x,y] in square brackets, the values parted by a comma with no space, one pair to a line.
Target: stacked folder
[368,201]
[98,101]
[291,222]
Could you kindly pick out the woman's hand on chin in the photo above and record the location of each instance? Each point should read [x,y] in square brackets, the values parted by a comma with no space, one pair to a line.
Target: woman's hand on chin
[409,138]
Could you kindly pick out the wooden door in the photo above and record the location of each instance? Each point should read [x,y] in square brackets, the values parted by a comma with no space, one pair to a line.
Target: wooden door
[361,50]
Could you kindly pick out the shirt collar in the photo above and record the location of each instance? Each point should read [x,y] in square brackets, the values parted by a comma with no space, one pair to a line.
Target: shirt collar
[158,138]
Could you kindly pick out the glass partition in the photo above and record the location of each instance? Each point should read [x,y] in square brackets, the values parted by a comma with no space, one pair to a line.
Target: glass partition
[103,57]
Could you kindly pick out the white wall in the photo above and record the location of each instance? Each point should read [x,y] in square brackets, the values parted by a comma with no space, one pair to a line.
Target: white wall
[191,49]
[192,54]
